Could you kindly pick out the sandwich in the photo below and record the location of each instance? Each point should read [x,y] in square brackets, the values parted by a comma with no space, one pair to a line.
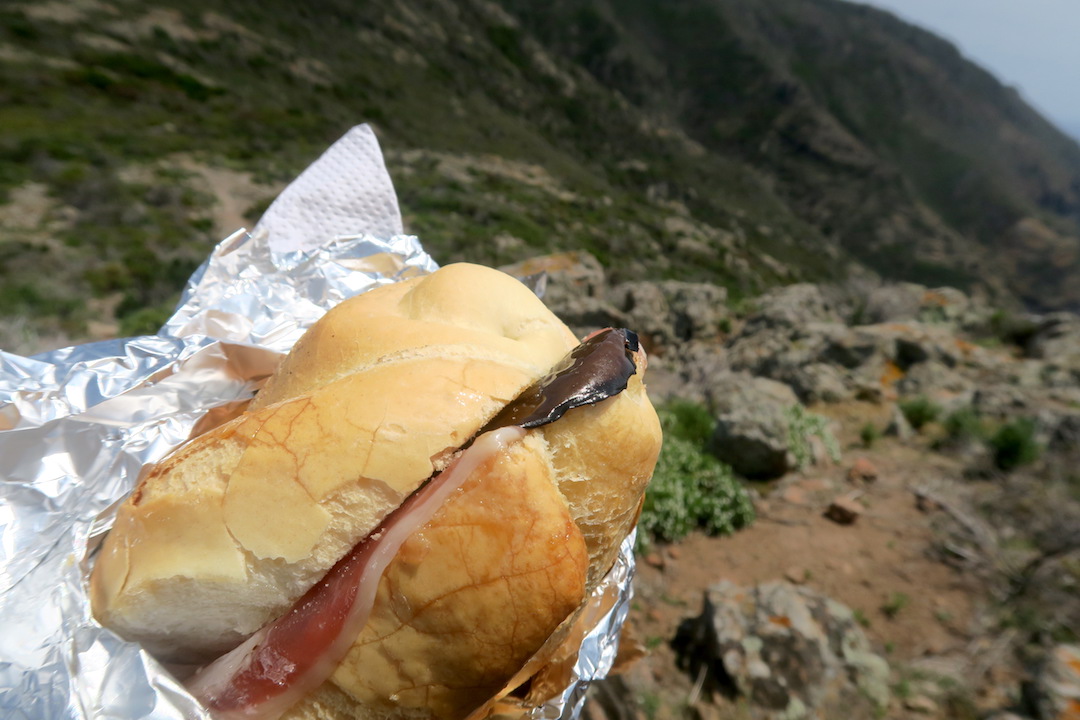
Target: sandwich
[406,518]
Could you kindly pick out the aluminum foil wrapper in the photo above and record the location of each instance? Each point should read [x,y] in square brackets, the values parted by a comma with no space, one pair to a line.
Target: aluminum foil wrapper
[77,426]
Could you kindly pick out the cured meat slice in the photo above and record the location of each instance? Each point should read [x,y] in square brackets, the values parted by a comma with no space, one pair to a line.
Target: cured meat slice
[296,653]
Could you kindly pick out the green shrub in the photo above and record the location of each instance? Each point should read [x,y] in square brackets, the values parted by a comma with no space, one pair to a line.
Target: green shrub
[803,426]
[869,434]
[687,420]
[965,424]
[1014,444]
[920,410]
[690,488]
[896,602]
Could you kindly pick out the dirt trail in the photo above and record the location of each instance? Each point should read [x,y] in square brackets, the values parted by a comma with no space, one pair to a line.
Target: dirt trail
[916,610]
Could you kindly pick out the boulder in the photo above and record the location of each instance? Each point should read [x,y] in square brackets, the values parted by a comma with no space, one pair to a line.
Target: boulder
[772,352]
[798,357]
[575,288]
[857,347]
[1056,337]
[902,302]
[787,650]
[950,305]
[671,311]
[820,383]
[892,302]
[1002,401]
[751,432]
[830,362]
[792,306]
[686,371]
[935,380]
[646,309]
[699,310]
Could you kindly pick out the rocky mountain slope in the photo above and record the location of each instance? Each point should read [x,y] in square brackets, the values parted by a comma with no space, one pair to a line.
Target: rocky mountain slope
[912,454]
[746,144]
[878,134]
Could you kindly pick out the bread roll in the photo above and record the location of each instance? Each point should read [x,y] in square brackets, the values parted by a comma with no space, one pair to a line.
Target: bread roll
[227,532]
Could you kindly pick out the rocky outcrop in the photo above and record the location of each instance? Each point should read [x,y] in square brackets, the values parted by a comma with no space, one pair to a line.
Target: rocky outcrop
[665,313]
[787,650]
[953,377]
[751,432]
[791,306]
[671,311]
[825,344]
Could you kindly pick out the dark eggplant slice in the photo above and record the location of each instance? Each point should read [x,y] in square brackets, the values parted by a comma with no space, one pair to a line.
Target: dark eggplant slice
[595,370]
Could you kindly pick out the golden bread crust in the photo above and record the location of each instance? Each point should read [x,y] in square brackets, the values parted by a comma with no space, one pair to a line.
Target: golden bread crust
[468,600]
[228,531]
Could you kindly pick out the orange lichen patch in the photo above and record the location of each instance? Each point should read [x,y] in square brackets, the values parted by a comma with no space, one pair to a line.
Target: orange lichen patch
[966,348]
[934,298]
[781,620]
[1072,710]
[472,596]
[890,374]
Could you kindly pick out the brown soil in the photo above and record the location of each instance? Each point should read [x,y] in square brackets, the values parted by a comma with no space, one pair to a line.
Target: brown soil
[926,618]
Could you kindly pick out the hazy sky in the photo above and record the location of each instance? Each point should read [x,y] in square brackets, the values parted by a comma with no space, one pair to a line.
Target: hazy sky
[1033,45]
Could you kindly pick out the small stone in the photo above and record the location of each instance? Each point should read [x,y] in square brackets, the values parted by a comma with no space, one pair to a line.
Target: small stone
[926,504]
[674,552]
[862,471]
[655,559]
[797,575]
[844,510]
[794,495]
[899,427]
[936,646]
[921,704]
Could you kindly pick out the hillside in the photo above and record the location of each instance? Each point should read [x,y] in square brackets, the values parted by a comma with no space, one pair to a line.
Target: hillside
[747,144]
[877,133]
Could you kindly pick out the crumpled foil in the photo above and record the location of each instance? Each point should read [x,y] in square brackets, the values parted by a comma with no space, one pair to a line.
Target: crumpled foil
[77,426]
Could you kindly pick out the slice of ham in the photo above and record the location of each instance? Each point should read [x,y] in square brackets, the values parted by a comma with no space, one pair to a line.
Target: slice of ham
[296,653]
[293,655]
